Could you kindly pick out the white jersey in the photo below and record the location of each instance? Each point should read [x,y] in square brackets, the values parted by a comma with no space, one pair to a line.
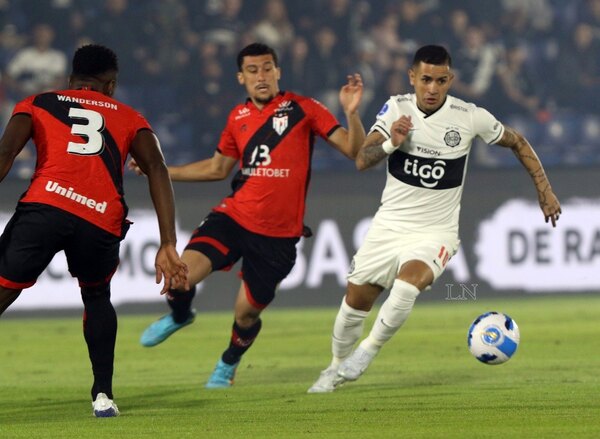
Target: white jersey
[425,175]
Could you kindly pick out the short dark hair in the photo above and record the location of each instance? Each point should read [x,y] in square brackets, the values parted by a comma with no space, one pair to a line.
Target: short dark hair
[256,49]
[94,59]
[431,54]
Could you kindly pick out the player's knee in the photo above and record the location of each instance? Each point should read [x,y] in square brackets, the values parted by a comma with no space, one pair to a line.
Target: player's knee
[362,297]
[247,321]
[416,273]
[90,293]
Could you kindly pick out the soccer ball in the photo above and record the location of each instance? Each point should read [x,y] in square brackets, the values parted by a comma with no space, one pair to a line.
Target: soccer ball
[493,338]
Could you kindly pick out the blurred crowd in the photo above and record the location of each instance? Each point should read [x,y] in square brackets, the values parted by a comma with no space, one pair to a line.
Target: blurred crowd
[534,63]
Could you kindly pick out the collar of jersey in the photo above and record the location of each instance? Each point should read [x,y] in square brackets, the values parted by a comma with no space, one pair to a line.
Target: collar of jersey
[425,115]
[275,100]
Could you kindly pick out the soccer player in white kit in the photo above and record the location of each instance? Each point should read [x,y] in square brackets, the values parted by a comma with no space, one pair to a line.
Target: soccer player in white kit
[426,137]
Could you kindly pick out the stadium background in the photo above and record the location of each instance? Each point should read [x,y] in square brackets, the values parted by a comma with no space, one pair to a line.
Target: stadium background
[534,63]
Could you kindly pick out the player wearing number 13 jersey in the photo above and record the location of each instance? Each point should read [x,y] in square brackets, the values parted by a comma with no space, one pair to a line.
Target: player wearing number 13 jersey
[75,200]
[270,138]
[273,146]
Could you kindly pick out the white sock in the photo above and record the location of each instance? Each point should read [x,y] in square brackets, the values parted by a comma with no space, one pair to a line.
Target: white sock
[392,315]
[347,329]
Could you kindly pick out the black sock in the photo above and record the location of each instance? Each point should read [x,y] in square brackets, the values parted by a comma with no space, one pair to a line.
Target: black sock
[181,304]
[100,332]
[241,340]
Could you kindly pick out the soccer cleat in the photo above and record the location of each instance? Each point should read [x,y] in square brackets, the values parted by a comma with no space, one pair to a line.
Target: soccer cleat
[222,376]
[354,366]
[103,407]
[160,330]
[328,381]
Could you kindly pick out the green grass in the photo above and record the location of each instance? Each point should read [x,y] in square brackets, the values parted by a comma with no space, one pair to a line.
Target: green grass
[423,384]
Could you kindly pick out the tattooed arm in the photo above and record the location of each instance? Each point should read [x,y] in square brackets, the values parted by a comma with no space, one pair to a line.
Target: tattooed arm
[522,149]
[376,147]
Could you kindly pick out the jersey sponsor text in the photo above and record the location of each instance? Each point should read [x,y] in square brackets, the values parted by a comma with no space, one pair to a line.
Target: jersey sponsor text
[266,172]
[426,172]
[53,186]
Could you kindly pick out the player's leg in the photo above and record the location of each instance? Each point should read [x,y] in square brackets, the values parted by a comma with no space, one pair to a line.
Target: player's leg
[100,333]
[421,263]
[246,326]
[414,276]
[180,301]
[29,242]
[347,329]
[92,257]
[266,262]
[373,266]
[349,322]
[7,297]
[211,247]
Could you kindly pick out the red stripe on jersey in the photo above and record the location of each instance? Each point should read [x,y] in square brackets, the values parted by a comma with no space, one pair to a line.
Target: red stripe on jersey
[211,241]
[441,252]
[15,285]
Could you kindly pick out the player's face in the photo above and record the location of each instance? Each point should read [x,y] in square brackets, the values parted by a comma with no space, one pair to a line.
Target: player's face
[260,76]
[431,83]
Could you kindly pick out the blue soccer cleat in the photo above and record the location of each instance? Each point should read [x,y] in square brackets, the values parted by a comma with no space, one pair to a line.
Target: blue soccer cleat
[160,330]
[222,376]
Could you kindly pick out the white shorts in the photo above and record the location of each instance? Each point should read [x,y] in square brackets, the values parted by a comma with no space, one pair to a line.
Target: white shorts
[384,251]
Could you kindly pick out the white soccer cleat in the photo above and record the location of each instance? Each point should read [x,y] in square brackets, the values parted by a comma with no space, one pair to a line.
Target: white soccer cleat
[104,407]
[354,366]
[328,381]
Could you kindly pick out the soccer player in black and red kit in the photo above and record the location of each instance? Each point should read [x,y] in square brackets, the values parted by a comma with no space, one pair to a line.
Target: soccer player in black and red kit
[75,201]
[270,137]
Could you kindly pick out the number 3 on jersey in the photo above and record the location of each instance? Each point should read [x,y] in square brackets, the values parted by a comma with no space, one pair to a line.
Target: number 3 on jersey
[92,130]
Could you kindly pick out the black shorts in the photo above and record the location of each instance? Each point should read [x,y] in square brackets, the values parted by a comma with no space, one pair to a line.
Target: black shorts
[36,232]
[266,260]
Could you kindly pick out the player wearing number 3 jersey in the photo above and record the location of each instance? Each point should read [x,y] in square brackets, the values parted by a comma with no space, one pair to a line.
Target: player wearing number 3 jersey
[75,200]
[271,138]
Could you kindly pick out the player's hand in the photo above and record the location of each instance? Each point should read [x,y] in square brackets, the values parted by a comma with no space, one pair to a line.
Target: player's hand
[351,94]
[550,206]
[171,268]
[132,165]
[400,129]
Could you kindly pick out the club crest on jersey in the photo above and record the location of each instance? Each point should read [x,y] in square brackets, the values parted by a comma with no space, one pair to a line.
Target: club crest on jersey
[452,138]
[280,123]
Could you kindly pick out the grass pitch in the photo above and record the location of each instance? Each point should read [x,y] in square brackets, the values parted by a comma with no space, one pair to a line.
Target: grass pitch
[424,383]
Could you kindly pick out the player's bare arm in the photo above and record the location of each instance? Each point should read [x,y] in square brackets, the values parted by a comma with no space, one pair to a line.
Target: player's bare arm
[145,150]
[524,151]
[349,141]
[376,147]
[16,135]
[215,168]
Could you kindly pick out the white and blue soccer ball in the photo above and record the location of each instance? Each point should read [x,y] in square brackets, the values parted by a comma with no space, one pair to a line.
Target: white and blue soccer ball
[493,338]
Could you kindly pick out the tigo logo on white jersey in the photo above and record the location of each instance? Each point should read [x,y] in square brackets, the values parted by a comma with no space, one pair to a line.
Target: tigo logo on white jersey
[429,174]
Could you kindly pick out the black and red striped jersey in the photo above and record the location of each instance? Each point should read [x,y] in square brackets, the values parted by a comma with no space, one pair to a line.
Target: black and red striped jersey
[274,148]
[82,138]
